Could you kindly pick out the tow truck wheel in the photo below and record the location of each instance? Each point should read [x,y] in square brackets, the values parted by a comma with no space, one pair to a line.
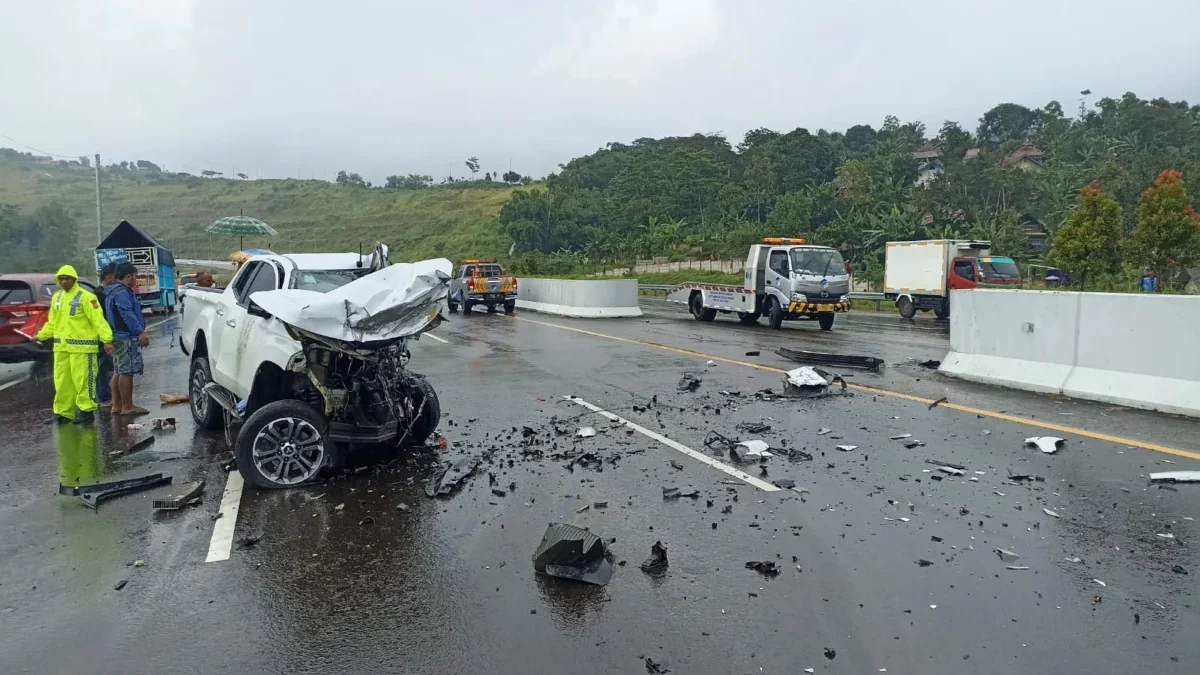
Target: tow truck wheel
[205,411]
[282,445]
[826,320]
[749,318]
[510,306]
[699,311]
[467,307]
[907,309]
[775,312]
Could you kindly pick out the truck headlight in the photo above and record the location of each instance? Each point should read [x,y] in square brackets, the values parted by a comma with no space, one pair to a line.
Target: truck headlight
[799,297]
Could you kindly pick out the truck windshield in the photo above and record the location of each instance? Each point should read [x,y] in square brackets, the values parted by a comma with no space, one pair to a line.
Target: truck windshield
[821,262]
[998,268]
[323,281]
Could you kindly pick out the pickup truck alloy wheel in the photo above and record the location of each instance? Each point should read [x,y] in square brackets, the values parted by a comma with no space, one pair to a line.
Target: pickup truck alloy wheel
[288,451]
[282,445]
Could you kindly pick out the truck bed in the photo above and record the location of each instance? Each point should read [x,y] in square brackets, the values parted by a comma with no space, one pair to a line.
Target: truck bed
[719,296]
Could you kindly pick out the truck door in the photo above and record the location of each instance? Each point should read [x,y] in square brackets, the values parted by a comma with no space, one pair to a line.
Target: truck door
[232,327]
[779,271]
[962,274]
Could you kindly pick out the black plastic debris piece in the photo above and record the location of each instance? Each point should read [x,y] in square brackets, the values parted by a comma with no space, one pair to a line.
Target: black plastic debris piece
[498,492]
[120,584]
[1179,569]
[909,445]
[935,538]
[785,483]
[719,443]
[937,402]
[1017,477]
[764,567]
[931,364]
[753,427]
[92,495]
[938,462]
[569,552]
[527,432]
[841,360]
[600,505]
[654,667]
[402,507]
[727,509]
[830,654]
[447,477]
[675,493]
[924,563]
[180,497]
[250,539]
[689,383]
[753,353]
[794,454]
[676,465]
[369,520]
[657,559]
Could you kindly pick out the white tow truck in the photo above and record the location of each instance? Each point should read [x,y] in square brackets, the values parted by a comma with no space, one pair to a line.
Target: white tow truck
[305,356]
[785,279]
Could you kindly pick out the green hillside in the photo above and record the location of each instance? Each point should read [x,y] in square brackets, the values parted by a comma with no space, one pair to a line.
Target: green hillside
[454,221]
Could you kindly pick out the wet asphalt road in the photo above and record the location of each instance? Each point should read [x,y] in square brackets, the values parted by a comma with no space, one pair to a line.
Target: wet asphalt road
[343,582]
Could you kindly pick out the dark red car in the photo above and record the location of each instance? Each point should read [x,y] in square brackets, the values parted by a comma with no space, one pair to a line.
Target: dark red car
[24,308]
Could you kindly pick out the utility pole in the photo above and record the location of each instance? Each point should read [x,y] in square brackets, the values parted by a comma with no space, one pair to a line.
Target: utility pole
[99,231]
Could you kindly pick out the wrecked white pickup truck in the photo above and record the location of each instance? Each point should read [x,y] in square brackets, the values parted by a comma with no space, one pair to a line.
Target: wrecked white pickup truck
[307,354]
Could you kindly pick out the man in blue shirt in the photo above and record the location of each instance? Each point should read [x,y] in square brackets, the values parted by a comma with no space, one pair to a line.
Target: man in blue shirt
[108,277]
[129,336]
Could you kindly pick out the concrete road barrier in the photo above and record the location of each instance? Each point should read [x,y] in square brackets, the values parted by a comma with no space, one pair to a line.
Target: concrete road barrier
[1133,350]
[579,298]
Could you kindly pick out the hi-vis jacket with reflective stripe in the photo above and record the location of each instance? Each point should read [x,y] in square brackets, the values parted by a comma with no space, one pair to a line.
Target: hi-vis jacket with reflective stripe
[76,322]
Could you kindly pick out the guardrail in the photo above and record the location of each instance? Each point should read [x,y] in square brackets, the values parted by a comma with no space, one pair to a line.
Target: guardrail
[877,298]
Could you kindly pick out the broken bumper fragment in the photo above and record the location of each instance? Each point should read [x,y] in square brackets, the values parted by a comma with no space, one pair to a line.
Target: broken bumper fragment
[570,552]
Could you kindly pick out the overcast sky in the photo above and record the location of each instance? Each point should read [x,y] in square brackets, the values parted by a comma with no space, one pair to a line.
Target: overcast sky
[306,87]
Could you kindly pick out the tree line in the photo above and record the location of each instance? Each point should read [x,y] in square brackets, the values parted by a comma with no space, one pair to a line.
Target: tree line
[40,240]
[1025,179]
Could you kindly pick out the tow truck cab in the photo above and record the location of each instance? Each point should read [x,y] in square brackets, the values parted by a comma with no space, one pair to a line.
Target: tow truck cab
[802,278]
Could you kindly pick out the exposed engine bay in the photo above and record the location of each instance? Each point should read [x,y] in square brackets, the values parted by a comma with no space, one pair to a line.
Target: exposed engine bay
[366,392]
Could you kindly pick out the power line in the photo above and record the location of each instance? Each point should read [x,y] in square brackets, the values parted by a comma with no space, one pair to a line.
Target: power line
[30,147]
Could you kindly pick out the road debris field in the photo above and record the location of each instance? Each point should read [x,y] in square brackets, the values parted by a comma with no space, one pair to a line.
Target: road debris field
[623,496]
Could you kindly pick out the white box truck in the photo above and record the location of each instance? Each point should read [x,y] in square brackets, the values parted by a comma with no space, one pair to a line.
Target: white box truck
[919,275]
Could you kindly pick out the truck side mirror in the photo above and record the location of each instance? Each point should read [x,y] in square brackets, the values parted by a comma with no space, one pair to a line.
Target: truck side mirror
[254,310]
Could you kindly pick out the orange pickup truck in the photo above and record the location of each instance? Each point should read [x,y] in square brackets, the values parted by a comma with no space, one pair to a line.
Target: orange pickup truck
[482,283]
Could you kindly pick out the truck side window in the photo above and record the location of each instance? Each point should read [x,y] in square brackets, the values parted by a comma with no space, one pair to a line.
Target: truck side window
[263,279]
[779,262]
[242,280]
[965,269]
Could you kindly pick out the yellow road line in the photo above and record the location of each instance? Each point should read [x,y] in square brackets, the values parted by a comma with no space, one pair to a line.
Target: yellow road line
[892,394]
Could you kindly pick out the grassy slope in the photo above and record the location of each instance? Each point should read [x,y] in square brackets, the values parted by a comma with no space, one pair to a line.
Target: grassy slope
[309,215]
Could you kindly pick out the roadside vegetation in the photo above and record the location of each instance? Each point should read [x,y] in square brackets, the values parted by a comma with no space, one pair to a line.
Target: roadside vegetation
[1017,178]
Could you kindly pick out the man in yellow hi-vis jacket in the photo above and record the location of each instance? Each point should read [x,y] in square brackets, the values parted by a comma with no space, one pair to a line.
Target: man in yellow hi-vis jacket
[77,326]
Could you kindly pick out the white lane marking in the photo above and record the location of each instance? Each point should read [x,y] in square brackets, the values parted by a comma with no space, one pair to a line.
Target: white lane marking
[675,445]
[431,335]
[222,536]
[14,383]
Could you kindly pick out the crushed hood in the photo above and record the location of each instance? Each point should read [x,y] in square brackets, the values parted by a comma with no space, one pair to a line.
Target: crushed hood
[397,301]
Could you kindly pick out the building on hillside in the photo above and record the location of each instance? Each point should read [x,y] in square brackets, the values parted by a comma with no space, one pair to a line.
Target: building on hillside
[1035,232]
[927,153]
[928,172]
[972,153]
[1027,158]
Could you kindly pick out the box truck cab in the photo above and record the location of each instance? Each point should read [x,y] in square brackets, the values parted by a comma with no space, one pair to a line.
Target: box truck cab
[919,275]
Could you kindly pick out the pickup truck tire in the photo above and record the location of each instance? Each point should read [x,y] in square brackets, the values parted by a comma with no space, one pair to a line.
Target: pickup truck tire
[205,411]
[906,307]
[825,319]
[453,306]
[510,306]
[774,312]
[425,424]
[283,445]
[699,311]
[467,307]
